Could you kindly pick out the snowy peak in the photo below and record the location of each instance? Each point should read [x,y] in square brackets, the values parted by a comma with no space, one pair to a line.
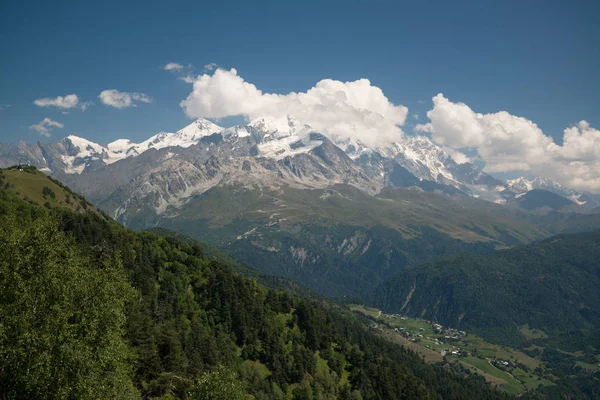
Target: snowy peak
[272,128]
[239,131]
[427,161]
[196,130]
[290,146]
[523,184]
[520,184]
[81,152]
[354,148]
[78,146]
[184,137]
[419,155]
[284,137]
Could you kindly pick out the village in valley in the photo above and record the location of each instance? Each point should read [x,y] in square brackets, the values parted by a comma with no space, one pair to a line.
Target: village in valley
[508,369]
[442,337]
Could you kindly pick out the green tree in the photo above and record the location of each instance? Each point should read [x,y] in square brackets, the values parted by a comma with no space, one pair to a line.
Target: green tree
[47,192]
[220,384]
[61,318]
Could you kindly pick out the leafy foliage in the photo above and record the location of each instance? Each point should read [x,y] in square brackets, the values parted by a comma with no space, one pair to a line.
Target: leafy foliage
[62,317]
[220,384]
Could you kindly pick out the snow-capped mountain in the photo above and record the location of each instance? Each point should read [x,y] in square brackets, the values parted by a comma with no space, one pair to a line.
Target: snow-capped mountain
[82,151]
[74,154]
[168,168]
[280,138]
[427,161]
[277,128]
[522,185]
[165,171]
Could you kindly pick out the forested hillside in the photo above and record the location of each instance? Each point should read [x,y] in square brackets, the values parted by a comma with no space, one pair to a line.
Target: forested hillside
[92,310]
[543,298]
[553,285]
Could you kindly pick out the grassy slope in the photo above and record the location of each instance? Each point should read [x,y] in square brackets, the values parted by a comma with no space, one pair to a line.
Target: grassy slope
[400,209]
[29,185]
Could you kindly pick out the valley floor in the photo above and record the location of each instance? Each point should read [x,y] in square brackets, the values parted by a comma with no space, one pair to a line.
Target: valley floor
[508,369]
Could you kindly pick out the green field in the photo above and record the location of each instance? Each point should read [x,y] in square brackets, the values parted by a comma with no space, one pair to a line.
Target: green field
[371,312]
[588,366]
[509,383]
[532,334]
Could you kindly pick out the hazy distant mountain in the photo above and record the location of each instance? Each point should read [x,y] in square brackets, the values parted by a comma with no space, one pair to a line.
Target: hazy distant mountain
[541,199]
[521,185]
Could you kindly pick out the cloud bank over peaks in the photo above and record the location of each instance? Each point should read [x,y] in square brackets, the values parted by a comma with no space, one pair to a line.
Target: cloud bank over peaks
[356,110]
[510,143]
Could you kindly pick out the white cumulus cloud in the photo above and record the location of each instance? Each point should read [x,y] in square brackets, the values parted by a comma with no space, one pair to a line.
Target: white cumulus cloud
[45,126]
[172,66]
[506,142]
[341,109]
[581,143]
[114,98]
[66,102]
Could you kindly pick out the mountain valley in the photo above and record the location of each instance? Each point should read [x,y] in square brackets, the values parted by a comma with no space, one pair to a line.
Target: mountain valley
[332,214]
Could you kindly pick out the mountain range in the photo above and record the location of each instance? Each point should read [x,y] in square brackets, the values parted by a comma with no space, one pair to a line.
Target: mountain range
[333,214]
[416,161]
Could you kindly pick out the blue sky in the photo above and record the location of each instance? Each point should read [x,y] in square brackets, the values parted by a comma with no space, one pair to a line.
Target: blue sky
[534,59]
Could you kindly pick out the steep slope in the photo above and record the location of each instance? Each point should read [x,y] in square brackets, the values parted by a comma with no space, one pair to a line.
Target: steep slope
[191,328]
[176,175]
[552,286]
[37,188]
[339,240]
